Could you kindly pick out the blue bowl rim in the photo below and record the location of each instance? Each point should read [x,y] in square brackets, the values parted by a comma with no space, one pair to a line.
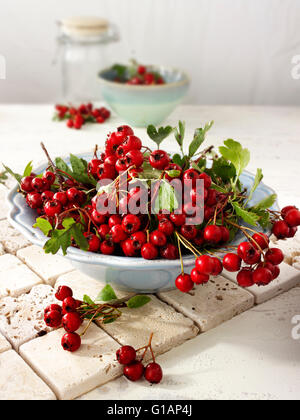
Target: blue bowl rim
[74,254]
[186,81]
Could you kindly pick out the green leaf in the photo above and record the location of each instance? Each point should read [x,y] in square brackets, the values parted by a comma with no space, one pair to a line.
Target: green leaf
[166,199]
[266,203]
[18,177]
[180,133]
[223,169]
[120,70]
[60,164]
[3,177]
[106,294]
[79,167]
[88,300]
[199,138]
[43,225]
[248,216]
[159,135]
[233,152]
[173,173]
[258,178]
[178,160]
[62,238]
[138,301]
[28,169]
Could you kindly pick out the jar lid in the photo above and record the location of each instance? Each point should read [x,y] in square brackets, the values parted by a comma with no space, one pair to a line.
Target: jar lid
[81,26]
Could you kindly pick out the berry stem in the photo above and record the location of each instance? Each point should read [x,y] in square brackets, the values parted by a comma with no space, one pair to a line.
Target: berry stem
[51,163]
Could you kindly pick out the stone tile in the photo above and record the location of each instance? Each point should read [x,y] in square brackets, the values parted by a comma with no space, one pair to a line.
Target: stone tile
[290,248]
[8,261]
[212,304]
[134,327]
[22,318]
[296,263]
[47,266]
[3,205]
[4,344]
[19,382]
[288,278]
[11,239]
[16,281]
[80,284]
[73,374]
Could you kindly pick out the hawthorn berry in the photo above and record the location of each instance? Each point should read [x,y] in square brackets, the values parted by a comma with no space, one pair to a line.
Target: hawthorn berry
[93,242]
[53,307]
[69,304]
[184,283]
[261,239]
[117,234]
[198,277]
[178,219]
[248,253]
[218,267]
[159,159]
[26,184]
[38,184]
[103,231]
[232,262]
[293,218]
[158,238]
[107,247]
[166,226]
[47,196]
[205,264]
[207,180]
[138,239]
[169,252]
[63,292]
[34,200]
[71,321]
[262,276]
[274,256]
[134,371]
[153,373]
[52,208]
[61,197]
[285,210]
[131,223]
[213,234]
[245,278]
[126,355]
[134,157]
[53,319]
[281,229]
[71,342]
[190,175]
[149,251]
[49,177]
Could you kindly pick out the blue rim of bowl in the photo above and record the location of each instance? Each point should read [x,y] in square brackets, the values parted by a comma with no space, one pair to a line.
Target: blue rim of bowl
[185,81]
[74,254]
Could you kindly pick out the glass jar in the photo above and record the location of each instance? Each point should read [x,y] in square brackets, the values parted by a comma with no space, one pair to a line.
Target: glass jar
[83,51]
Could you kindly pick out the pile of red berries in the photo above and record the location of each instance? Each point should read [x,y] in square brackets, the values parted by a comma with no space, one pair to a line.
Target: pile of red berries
[67,316]
[134,369]
[145,77]
[77,117]
[288,225]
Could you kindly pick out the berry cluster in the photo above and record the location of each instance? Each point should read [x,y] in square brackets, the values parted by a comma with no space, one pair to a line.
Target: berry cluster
[67,316]
[77,117]
[145,77]
[288,225]
[134,369]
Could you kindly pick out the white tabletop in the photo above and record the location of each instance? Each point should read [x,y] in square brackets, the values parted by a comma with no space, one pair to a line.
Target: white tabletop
[252,356]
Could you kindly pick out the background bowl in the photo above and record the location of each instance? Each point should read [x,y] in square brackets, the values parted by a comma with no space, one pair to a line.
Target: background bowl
[141,105]
[129,274]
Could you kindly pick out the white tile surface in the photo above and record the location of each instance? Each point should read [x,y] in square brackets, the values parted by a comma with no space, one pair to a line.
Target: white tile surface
[72,374]
[47,266]
[288,278]
[290,248]
[211,304]
[80,284]
[3,205]
[19,382]
[22,318]
[252,357]
[4,344]
[18,280]
[134,327]
[8,262]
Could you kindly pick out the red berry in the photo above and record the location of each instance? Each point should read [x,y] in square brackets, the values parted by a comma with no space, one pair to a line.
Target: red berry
[207,180]
[138,240]
[261,239]
[153,373]
[61,196]
[93,166]
[107,247]
[26,184]
[169,252]
[131,223]
[52,208]
[218,267]
[141,69]
[111,160]
[269,266]
[134,81]
[232,262]
[149,79]
[132,143]
[173,167]
[129,249]
[191,175]
[38,184]
[134,371]
[293,218]
[158,238]
[134,158]
[124,130]
[69,304]
[121,165]
[71,342]
[126,355]
[248,253]
[245,278]
[100,119]
[189,232]
[149,251]
[117,234]
[178,219]
[53,319]
[184,283]
[93,241]
[276,272]
[53,307]
[285,210]
[34,200]
[274,256]
[292,232]
[166,226]
[71,321]
[205,264]
[159,159]
[63,292]
[73,195]
[225,234]
[98,218]
[49,177]
[199,240]
[106,171]
[213,234]
[211,198]
[70,123]
[262,276]
[103,231]
[47,196]
[115,219]
[199,278]
[280,230]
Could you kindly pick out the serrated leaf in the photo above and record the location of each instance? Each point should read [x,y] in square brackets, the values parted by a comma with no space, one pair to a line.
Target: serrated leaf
[180,133]
[248,216]
[138,301]
[28,169]
[18,177]
[43,225]
[266,203]
[61,164]
[199,138]
[223,169]
[258,178]
[79,171]
[178,160]
[166,199]
[88,300]
[173,173]
[106,294]
[233,152]
[159,135]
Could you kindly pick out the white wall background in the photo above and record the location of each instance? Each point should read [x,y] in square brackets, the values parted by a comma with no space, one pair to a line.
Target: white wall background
[236,51]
